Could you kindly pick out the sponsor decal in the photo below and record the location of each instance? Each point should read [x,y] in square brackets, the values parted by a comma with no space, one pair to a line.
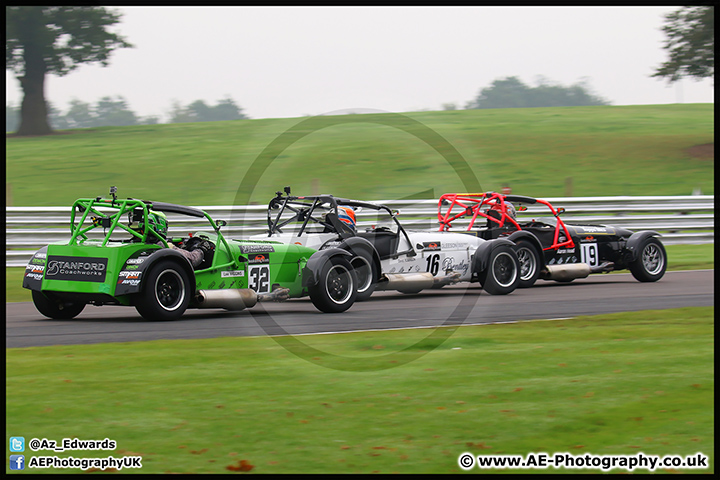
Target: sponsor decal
[566,250]
[135,261]
[449,264]
[329,244]
[453,246]
[431,246]
[129,278]
[34,276]
[79,269]
[233,273]
[37,261]
[35,268]
[254,258]
[127,274]
[256,248]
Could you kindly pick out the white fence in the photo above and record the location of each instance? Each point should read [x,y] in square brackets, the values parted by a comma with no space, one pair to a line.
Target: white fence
[680,220]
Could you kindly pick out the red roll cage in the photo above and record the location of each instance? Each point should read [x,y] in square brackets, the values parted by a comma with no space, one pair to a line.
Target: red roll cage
[471,205]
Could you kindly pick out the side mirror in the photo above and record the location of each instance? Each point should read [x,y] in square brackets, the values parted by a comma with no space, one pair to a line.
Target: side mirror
[220,223]
[560,210]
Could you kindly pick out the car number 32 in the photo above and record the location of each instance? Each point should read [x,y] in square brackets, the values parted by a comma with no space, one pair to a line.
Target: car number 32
[259,278]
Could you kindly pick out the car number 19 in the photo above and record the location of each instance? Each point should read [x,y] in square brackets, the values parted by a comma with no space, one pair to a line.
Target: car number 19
[590,254]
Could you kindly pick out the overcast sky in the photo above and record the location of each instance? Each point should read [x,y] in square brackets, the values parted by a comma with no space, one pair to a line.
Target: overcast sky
[291,62]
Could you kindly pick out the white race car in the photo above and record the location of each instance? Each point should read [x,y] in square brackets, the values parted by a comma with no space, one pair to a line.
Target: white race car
[385,255]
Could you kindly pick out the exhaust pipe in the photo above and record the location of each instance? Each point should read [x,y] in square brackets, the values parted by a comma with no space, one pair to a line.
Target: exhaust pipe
[406,282]
[229,299]
[565,273]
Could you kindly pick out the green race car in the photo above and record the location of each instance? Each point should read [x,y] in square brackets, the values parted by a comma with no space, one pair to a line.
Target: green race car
[119,254]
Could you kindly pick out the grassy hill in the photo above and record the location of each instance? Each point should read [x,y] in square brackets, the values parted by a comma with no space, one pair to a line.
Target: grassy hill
[543,152]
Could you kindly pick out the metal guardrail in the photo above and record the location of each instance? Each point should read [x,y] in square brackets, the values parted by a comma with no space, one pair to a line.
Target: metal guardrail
[680,220]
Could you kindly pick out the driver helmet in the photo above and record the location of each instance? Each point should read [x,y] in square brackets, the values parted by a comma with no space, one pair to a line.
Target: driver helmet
[510,210]
[347,216]
[156,220]
[507,206]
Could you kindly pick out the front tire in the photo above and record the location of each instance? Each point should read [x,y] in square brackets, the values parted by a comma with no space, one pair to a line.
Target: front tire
[336,288]
[56,309]
[529,263]
[502,274]
[651,262]
[166,292]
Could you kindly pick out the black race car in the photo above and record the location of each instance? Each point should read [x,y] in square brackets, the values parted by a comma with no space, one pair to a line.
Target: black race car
[547,247]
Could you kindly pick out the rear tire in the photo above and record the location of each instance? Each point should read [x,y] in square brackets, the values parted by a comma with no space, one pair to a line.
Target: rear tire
[366,272]
[502,274]
[56,309]
[165,294]
[336,288]
[529,263]
[651,262]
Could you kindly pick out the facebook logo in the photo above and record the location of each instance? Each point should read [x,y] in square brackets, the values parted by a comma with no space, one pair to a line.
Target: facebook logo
[17,444]
[17,462]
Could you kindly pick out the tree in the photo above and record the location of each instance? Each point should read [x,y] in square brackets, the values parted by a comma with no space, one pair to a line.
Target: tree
[690,44]
[199,111]
[510,92]
[79,115]
[227,109]
[54,40]
[109,112]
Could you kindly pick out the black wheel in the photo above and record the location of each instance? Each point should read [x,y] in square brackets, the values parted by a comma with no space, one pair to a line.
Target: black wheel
[365,270]
[336,287]
[529,259]
[56,308]
[651,262]
[502,274]
[166,292]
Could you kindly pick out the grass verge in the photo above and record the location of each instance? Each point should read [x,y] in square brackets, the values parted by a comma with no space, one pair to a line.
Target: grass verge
[539,152]
[608,384]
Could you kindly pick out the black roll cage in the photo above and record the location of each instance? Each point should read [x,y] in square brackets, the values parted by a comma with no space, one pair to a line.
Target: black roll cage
[304,208]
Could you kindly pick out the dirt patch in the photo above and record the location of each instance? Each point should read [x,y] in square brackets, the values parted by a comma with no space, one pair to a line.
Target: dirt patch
[704,151]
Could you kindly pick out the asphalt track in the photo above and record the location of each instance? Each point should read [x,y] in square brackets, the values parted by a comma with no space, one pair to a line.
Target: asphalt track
[460,304]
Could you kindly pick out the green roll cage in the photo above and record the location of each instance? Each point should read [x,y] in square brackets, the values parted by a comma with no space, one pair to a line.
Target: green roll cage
[90,207]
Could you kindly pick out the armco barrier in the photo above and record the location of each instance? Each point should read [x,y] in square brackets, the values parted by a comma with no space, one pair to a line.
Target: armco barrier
[680,220]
